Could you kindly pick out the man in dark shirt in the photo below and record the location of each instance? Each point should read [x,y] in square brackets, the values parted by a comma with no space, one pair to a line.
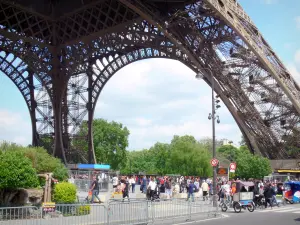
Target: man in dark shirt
[95,190]
[191,189]
[268,193]
[125,188]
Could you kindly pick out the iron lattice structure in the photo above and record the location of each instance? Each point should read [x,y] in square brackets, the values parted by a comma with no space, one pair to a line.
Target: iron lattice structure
[60,54]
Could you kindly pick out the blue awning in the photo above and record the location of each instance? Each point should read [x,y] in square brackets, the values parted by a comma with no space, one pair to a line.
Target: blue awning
[93,166]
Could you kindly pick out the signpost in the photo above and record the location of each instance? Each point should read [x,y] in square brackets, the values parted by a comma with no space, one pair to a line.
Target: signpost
[232,168]
[222,171]
[214,162]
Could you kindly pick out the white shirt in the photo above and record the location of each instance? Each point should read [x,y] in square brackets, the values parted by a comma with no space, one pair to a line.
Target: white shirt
[152,185]
[131,181]
[115,181]
[226,188]
[204,186]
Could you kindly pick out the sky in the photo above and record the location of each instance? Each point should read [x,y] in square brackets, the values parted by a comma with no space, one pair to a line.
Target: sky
[159,98]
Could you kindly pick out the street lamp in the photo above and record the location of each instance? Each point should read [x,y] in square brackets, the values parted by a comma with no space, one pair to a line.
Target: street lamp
[212,116]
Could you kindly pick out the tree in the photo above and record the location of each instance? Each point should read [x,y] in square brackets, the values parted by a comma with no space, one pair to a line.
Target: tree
[228,151]
[41,161]
[188,157]
[251,166]
[110,142]
[207,143]
[16,171]
[161,153]
[248,165]
[140,161]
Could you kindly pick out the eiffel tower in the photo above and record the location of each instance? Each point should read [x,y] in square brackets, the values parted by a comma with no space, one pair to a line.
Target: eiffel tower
[60,54]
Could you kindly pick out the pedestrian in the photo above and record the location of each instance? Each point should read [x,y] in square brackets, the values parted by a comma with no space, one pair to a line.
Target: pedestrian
[204,187]
[125,188]
[152,187]
[191,189]
[132,183]
[168,186]
[95,190]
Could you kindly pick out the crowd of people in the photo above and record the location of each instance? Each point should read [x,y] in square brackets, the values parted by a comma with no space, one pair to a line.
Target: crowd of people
[153,186]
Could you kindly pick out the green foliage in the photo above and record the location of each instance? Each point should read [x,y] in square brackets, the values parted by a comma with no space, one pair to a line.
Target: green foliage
[16,171]
[41,161]
[84,210]
[229,152]
[248,165]
[64,192]
[188,157]
[184,155]
[252,166]
[110,142]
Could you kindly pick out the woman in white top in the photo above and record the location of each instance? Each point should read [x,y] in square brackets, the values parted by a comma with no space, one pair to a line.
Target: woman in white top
[132,183]
[152,186]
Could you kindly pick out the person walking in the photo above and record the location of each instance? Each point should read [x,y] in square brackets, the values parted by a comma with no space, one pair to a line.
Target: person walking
[268,193]
[132,183]
[191,190]
[168,186]
[125,188]
[95,190]
[204,187]
[152,186]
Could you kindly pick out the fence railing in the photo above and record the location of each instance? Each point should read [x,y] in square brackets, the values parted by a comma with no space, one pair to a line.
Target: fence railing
[113,213]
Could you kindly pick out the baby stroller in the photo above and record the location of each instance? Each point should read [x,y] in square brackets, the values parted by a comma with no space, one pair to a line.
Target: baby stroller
[156,193]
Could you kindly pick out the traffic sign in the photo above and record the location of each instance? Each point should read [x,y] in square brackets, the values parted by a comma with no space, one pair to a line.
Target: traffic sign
[222,171]
[214,162]
[232,167]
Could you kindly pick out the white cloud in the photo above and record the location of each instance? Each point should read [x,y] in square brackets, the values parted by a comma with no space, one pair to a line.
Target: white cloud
[163,99]
[143,122]
[15,127]
[297,19]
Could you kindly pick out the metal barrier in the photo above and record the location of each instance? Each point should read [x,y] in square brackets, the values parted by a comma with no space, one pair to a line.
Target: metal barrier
[114,213]
[19,215]
[128,212]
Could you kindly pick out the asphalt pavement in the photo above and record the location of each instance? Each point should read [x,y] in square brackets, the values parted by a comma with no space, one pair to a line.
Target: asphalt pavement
[285,215]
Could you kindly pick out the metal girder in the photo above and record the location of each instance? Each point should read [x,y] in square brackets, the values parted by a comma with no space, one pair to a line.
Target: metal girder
[35,96]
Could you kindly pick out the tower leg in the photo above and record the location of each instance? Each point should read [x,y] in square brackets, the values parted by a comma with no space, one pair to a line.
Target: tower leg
[90,108]
[35,137]
[58,90]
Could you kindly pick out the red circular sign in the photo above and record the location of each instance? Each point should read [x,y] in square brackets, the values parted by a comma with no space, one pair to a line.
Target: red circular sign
[232,166]
[214,162]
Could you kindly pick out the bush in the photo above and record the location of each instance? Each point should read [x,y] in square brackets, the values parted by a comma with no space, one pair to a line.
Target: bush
[16,171]
[64,193]
[43,162]
[40,160]
[83,210]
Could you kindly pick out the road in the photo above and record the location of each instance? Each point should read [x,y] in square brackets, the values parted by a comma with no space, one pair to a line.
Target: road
[289,215]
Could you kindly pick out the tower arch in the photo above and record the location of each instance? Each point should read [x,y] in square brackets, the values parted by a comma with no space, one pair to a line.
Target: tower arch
[35,95]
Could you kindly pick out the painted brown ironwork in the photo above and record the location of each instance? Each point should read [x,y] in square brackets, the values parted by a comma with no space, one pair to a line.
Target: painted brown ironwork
[35,95]
[70,51]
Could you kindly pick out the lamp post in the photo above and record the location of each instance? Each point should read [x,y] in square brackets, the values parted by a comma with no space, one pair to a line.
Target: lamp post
[212,116]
